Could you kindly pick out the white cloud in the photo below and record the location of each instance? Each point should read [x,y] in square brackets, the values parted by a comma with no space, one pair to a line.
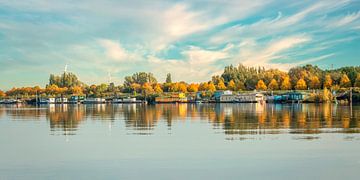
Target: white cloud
[255,55]
[199,56]
[345,20]
[114,50]
[198,64]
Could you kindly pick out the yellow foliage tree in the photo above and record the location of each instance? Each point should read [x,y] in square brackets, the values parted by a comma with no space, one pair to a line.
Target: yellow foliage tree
[193,87]
[2,94]
[232,85]
[345,81]
[314,83]
[273,85]
[221,85]
[204,86]
[301,84]
[261,85]
[286,84]
[76,90]
[211,87]
[328,81]
[157,88]
[135,87]
[182,87]
[147,89]
[327,96]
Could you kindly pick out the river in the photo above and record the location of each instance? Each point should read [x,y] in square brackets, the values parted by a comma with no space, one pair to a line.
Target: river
[180,141]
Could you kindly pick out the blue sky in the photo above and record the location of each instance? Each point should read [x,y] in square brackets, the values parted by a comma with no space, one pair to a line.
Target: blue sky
[192,39]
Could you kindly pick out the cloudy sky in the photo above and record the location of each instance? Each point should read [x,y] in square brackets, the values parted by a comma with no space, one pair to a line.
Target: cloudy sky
[191,39]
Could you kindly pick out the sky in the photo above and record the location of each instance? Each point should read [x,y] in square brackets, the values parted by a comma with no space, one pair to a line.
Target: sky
[106,40]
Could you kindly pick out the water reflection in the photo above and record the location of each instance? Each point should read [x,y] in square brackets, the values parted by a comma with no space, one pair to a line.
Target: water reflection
[231,119]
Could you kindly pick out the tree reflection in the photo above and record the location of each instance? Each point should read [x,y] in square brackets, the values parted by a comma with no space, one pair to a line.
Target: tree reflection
[229,118]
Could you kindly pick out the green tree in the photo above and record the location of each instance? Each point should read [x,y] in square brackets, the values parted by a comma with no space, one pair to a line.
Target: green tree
[168,78]
[357,81]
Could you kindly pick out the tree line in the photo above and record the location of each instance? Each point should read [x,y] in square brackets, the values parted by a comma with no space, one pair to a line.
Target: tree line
[240,78]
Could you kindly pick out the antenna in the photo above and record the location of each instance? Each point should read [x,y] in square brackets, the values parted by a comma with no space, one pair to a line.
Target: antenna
[109,75]
[65,69]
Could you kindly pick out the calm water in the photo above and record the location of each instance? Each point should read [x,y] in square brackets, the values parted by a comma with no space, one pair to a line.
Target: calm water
[184,141]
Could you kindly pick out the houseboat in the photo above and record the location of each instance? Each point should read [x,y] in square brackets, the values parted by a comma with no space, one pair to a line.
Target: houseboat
[227,96]
[250,98]
[131,100]
[76,99]
[94,101]
[11,101]
[290,97]
[116,100]
[61,100]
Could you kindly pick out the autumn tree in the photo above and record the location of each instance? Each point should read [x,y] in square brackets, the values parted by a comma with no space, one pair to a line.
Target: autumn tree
[182,87]
[135,87]
[174,87]
[157,88]
[193,87]
[231,85]
[345,81]
[147,89]
[52,90]
[301,84]
[328,81]
[76,90]
[286,84]
[204,86]
[314,83]
[139,78]
[211,87]
[221,85]
[261,85]
[2,94]
[327,96]
[273,85]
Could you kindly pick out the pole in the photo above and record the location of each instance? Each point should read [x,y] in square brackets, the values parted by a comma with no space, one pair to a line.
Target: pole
[350,96]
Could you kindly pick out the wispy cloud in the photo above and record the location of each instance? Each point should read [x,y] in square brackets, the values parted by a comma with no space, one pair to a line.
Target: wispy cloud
[187,37]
